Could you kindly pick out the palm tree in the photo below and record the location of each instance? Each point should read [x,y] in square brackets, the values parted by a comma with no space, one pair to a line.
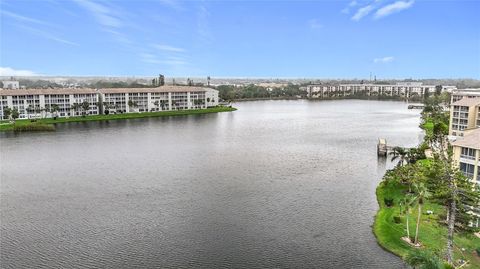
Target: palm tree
[106,107]
[424,260]
[399,153]
[132,104]
[421,193]
[54,109]
[29,109]
[163,103]
[85,107]
[156,103]
[407,203]
[75,107]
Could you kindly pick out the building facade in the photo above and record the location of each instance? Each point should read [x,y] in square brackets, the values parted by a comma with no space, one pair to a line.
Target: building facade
[466,153]
[464,115]
[65,102]
[464,93]
[11,84]
[406,90]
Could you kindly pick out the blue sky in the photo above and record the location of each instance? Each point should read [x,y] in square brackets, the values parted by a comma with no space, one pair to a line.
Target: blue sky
[322,39]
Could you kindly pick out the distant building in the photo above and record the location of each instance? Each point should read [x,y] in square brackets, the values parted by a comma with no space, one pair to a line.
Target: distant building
[37,102]
[464,115]
[464,93]
[406,90]
[11,84]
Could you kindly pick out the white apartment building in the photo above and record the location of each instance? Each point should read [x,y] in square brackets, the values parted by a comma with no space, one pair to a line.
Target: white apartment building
[11,84]
[406,90]
[38,102]
[464,115]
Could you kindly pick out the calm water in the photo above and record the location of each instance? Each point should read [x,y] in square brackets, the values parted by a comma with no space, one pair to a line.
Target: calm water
[276,184]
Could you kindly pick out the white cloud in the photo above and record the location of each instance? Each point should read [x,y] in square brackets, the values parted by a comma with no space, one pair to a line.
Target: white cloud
[384,60]
[47,35]
[21,18]
[171,3]
[362,12]
[167,48]
[170,60]
[352,4]
[393,8]
[7,71]
[315,24]
[103,14]
[203,28]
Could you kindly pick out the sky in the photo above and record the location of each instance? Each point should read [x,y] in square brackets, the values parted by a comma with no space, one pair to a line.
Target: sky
[222,38]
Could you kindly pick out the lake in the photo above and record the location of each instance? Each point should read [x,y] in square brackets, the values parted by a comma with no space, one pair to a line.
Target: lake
[275,184]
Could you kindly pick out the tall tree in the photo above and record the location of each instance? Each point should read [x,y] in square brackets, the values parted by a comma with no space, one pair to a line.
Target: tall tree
[399,153]
[85,106]
[15,114]
[407,204]
[54,109]
[7,112]
[421,193]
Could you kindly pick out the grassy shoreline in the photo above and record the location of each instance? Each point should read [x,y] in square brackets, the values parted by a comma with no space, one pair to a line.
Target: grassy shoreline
[42,124]
[432,235]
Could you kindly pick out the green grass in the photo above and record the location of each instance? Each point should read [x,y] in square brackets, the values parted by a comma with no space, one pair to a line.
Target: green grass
[428,127]
[432,234]
[26,124]
[34,127]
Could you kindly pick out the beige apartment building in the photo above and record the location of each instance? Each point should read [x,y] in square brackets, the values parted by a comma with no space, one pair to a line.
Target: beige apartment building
[466,153]
[464,93]
[464,115]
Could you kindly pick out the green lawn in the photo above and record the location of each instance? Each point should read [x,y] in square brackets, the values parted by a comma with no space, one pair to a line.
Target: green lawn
[6,126]
[432,235]
[428,127]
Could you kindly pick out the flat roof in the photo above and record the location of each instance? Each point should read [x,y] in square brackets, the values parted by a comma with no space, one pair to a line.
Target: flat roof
[470,140]
[155,89]
[7,92]
[467,102]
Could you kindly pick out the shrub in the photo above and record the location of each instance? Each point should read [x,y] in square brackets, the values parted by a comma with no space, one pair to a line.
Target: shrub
[388,202]
[397,219]
[33,127]
[478,251]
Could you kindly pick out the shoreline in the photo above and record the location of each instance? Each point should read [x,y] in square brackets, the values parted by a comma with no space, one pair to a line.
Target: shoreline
[389,224]
[48,124]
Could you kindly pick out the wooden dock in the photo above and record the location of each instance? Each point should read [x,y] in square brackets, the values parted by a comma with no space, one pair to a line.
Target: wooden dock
[416,106]
[383,148]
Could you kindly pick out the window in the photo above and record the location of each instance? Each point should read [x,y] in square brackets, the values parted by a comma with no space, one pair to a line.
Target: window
[468,153]
[467,169]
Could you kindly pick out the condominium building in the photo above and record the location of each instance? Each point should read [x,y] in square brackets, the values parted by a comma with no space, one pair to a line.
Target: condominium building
[404,90]
[466,156]
[11,84]
[39,102]
[466,153]
[464,115]
[464,93]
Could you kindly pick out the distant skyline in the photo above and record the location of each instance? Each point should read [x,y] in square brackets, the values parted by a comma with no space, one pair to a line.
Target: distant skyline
[284,39]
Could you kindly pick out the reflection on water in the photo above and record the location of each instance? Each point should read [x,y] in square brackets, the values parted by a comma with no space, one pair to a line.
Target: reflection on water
[276,184]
